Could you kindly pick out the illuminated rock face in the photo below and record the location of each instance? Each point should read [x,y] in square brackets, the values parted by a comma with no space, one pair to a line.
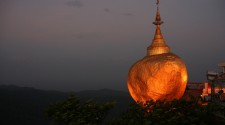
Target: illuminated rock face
[157,77]
[160,75]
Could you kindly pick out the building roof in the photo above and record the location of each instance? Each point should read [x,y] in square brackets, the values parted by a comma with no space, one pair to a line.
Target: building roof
[222,64]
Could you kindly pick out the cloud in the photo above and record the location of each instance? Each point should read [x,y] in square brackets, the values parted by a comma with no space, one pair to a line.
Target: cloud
[76,3]
[128,14]
[79,36]
[107,10]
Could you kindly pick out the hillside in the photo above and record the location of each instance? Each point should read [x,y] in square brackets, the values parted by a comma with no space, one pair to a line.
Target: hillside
[27,106]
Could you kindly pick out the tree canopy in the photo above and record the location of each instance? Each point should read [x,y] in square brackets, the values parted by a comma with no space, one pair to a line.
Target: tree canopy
[176,112]
[73,112]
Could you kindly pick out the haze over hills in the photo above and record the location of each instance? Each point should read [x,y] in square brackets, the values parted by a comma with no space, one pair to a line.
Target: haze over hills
[27,106]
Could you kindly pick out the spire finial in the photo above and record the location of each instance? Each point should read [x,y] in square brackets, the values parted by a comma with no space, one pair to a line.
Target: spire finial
[158,18]
[158,45]
[157,2]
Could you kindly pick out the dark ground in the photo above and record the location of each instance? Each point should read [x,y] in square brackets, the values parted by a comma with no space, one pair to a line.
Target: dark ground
[27,106]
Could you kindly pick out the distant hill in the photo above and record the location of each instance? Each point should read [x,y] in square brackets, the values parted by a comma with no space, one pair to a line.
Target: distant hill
[101,92]
[27,106]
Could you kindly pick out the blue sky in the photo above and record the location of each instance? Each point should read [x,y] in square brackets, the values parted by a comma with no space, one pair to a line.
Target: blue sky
[73,45]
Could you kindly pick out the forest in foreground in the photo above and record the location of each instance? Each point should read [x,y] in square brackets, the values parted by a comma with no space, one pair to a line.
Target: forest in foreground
[25,106]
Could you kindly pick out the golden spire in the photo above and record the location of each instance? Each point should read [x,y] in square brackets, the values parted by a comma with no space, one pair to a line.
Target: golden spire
[158,45]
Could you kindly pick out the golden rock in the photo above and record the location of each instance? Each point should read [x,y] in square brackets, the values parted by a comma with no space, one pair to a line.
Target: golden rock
[160,75]
[157,77]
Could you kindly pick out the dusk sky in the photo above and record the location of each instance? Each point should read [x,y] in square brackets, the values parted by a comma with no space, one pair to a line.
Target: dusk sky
[74,45]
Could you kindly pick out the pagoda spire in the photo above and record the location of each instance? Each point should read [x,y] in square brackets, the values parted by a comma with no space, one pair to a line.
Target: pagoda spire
[158,45]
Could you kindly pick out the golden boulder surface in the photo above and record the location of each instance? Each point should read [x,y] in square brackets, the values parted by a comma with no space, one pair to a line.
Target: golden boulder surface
[157,77]
[160,75]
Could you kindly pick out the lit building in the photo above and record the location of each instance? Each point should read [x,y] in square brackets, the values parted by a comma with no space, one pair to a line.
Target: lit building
[215,90]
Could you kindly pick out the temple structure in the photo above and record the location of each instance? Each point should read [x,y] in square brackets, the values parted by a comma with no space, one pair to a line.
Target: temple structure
[215,89]
[160,74]
[158,45]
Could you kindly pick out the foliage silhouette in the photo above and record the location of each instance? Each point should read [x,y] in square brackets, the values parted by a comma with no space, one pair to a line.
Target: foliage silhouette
[176,112]
[73,112]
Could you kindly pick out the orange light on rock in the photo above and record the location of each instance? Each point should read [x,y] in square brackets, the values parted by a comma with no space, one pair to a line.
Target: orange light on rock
[160,75]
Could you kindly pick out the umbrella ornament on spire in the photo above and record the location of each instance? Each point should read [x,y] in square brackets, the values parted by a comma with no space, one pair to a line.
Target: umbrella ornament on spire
[157,2]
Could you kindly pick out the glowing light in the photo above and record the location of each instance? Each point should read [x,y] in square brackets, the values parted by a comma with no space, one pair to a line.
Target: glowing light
[160,75]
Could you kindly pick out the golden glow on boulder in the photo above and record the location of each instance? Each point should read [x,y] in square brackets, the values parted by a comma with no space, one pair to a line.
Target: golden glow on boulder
[159,75]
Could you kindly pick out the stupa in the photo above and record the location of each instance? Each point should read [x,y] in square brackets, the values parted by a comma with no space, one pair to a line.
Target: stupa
[160,75]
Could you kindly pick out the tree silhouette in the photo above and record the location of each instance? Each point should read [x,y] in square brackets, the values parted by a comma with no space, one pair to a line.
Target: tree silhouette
[176,112]
[73,112]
